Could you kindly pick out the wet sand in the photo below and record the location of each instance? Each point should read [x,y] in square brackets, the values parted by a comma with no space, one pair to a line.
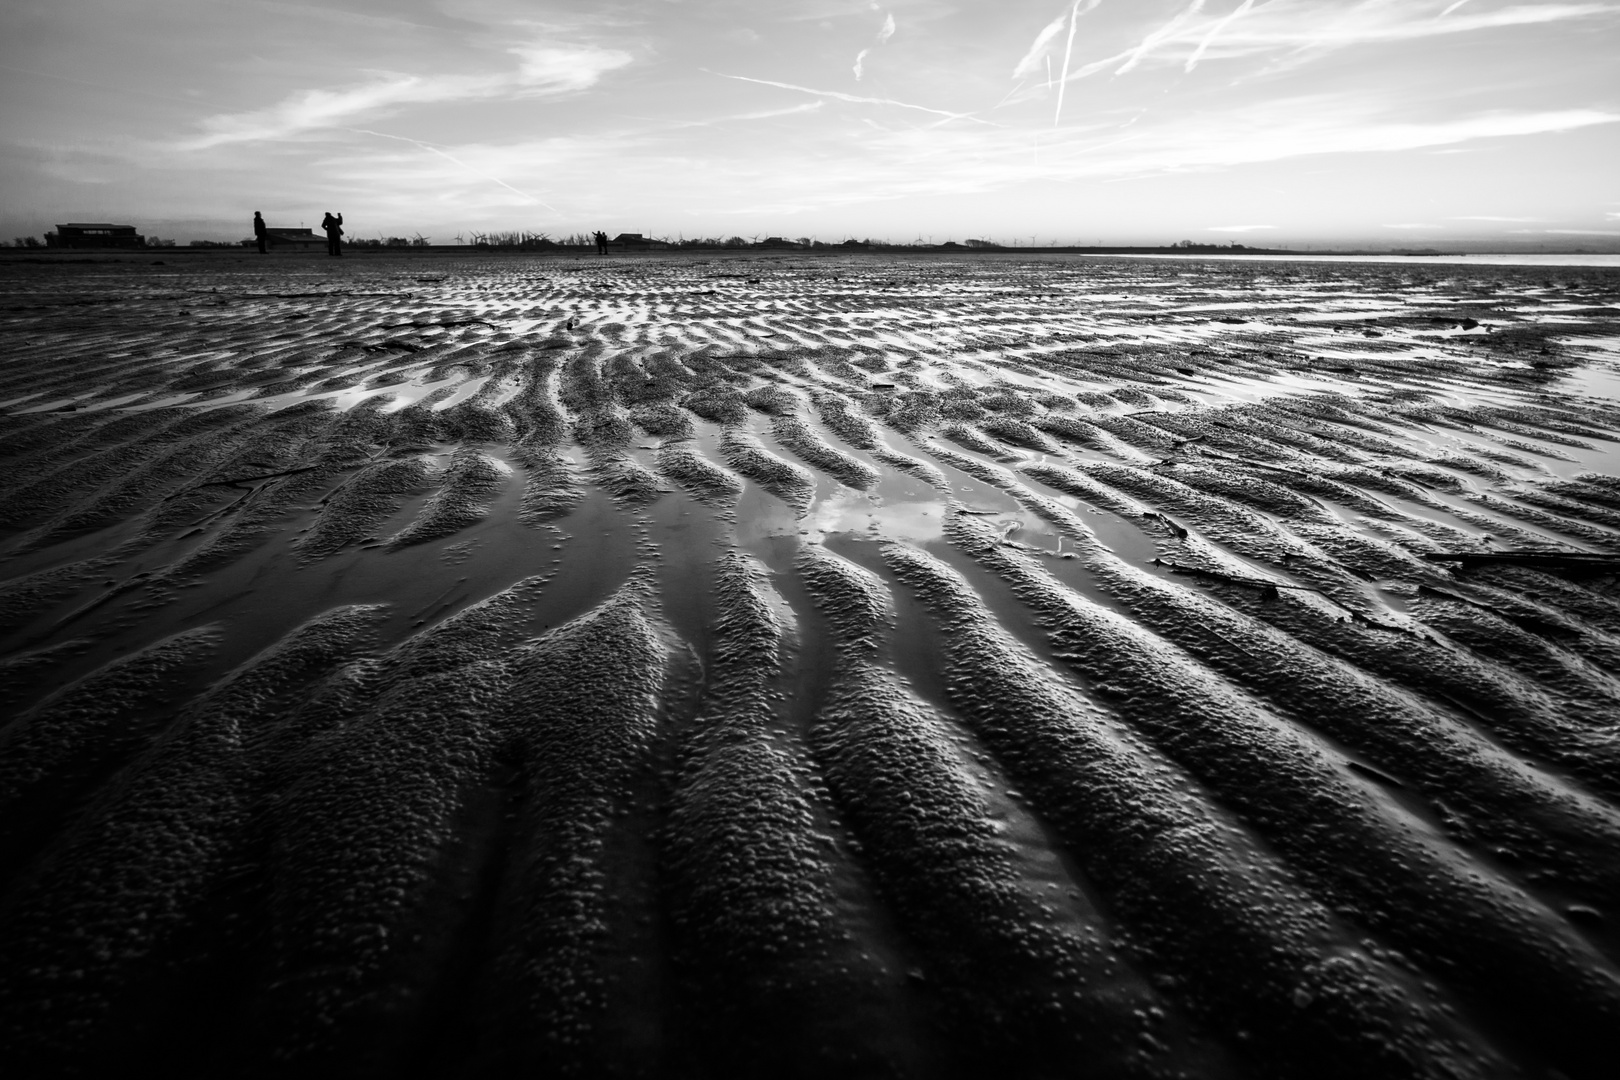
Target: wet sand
[705,666]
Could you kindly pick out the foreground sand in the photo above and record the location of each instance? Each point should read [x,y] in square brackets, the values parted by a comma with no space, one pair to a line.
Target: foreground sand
[782,666]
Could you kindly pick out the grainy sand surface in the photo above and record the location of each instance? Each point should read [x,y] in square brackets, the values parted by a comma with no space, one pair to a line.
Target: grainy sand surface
[785,666]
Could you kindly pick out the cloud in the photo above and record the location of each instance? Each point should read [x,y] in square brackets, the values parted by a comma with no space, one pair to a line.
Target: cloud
[543,70]
[1289,33]
[1489,217]
[766,114]
[1215,32]
[441,152]
[1037,57]
[855,98]
[1413,225]
[933,160]
[1164,33]
[1031,63]
[1068,53]
[1237,228]
[885,32]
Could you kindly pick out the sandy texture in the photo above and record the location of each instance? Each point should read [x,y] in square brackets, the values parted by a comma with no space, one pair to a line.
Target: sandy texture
[700,666]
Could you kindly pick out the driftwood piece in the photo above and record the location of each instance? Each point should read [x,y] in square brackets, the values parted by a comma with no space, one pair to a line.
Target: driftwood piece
[1579,561]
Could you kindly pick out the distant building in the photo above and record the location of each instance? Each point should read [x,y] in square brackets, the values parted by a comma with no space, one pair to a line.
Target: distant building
[81,234]
[777,242]
[290,240]
[634,241]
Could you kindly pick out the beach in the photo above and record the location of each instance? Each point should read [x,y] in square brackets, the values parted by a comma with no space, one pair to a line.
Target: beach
[885,665]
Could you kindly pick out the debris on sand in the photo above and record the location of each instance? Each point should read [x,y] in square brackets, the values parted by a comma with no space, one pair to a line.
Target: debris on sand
[1576,561]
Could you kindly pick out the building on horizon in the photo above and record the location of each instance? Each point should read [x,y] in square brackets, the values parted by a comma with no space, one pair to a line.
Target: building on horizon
[94,234]
[634,241]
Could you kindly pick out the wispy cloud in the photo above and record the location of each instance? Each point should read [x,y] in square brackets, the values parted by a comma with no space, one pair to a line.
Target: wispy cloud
[885,32]
[446,155]
[1238,228]
[1413,225]
[1031,63]
[933,160]
[543,70]
[1068,52]
[853,98]
[1489,217]
[763,114]
[1215,32]
[1289,32]
[1159,36]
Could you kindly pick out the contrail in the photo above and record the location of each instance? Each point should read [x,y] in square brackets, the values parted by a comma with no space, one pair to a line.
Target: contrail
[1068,51]
[455,161]
[1153,39]
[1450,9]
[1038,47]
[1192,61]
[855,98]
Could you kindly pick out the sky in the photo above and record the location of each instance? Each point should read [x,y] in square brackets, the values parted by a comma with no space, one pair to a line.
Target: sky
[1262,122]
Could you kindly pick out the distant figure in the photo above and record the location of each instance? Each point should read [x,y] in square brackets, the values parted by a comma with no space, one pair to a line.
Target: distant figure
[601,242]
[333,224]
[259,231]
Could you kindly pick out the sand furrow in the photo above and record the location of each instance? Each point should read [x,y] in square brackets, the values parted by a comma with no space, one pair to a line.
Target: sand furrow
[584,708]
[152,854]
[1315,1001]
[1515,957]
[1016,986]
[759,898]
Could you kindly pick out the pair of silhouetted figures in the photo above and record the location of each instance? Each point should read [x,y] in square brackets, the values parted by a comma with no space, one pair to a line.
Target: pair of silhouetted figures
[601,242]
[332,223]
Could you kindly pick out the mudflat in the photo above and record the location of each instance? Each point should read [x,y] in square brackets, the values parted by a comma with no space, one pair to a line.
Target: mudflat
[806,666]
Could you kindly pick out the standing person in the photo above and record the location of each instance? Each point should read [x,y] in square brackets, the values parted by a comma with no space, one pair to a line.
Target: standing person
[333,224]
[259,231]
[601,242]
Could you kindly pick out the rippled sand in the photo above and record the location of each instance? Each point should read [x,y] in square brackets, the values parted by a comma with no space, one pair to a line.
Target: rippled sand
[808,666]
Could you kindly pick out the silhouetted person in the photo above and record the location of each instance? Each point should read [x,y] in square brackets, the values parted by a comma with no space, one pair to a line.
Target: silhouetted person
[601,242]
[259,231]
[333,224]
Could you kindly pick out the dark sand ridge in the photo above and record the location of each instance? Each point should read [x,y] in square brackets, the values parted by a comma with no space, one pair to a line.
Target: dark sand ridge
[904,667]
